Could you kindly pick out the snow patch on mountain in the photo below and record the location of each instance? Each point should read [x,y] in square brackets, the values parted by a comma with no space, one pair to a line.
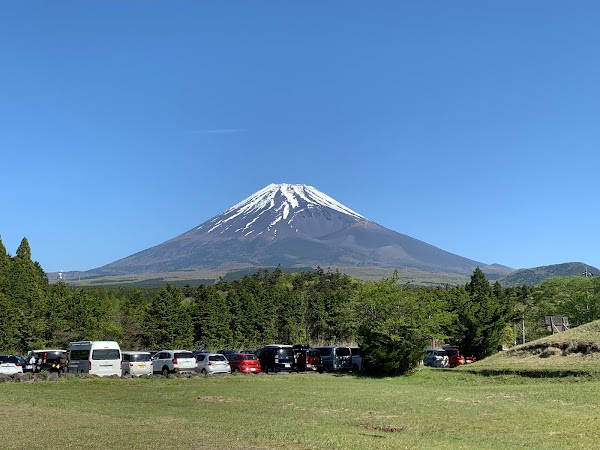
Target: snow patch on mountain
[280,202]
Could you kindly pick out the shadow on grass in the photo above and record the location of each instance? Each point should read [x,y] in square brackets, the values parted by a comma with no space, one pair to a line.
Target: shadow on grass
[532,373]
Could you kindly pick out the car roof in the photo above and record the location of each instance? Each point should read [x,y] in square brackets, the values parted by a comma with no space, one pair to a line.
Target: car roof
[136,351]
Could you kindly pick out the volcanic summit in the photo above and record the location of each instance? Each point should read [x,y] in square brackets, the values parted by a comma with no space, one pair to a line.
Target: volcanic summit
[292,225]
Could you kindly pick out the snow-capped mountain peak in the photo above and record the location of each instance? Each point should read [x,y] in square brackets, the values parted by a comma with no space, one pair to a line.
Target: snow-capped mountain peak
[281,208]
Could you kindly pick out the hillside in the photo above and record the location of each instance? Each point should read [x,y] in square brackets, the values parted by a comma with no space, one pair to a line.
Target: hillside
[572,352]
[536,275]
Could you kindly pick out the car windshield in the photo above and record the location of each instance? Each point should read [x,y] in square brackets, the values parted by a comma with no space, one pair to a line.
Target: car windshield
[140,357]
[217,358]
[184,355]
[325,351]
[313,353]
[286,352]
[250,358]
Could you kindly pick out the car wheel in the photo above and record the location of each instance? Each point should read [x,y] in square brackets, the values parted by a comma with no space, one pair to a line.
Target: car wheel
[203,372]
[325,369]
[236,370]
[165,371]
[354,367]
[125,373]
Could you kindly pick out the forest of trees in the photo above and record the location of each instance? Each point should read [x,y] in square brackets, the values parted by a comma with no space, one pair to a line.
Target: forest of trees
[392,322]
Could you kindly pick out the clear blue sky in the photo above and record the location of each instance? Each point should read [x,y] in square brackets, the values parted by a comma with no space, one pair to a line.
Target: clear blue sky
[472,126]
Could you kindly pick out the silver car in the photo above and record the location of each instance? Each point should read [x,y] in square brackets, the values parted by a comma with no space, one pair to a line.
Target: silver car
[209,363]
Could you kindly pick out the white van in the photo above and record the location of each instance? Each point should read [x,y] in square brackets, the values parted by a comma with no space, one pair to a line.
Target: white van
[136,363]
[102,358]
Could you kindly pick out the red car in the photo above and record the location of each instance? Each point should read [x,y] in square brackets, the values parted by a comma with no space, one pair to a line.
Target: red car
[244,363]
[454,356]
[309,359]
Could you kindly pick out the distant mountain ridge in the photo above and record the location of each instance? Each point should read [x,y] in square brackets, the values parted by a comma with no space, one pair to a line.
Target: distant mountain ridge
[536,275]
[292,225]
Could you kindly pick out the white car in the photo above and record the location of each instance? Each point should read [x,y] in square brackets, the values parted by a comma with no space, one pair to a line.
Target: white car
[136,363]
[209,363]
[166,362]
[10,365]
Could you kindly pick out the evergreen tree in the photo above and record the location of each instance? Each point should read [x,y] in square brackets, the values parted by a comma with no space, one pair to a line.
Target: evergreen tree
[27,287]
[169,324]
[481,317]
[211,319]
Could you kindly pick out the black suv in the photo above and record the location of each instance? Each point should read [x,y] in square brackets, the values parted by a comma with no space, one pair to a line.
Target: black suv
[276,358]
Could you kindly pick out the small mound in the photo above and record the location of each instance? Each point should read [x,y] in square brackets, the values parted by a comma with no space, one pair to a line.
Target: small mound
[573,352]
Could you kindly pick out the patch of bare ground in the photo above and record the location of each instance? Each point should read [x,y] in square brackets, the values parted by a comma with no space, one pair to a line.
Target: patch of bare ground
[384,428]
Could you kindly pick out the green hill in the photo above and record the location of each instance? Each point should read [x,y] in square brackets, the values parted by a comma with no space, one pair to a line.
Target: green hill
[573,352]
[536,275]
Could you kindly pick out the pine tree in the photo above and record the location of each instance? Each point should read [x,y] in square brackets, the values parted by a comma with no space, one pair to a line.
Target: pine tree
[169,324]
[481,316]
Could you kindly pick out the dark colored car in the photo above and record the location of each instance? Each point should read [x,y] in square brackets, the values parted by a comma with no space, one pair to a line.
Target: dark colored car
[276,358]
[244,363]
[227,352]
[309,360]
[51,360]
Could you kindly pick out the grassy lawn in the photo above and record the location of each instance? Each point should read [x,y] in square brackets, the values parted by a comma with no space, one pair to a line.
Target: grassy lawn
[431,409]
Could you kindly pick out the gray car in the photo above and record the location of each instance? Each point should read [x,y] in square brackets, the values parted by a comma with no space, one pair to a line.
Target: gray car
[336,359]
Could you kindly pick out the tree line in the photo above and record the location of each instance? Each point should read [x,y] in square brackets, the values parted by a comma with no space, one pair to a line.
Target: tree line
[392,322]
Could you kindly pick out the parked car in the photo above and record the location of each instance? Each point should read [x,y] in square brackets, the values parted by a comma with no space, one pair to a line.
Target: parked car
[166,362]
[227,352]
[309,360]
[454,356]
[10,365]
[211,363]
[102,358]
[276,358]
[244,363]
[136,363]
[23,362]
[356,359]
[436,357]
[335,359]
[52,360]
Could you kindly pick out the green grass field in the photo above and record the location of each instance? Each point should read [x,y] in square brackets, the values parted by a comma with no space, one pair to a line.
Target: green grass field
[431,409]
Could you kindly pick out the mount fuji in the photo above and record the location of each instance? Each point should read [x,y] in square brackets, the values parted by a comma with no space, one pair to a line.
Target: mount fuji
[292,225]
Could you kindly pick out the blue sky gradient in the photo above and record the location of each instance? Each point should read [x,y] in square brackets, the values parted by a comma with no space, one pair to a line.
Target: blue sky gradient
[472,126]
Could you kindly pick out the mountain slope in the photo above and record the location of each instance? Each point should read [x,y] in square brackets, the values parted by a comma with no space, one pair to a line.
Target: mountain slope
[291,225]
[536,275]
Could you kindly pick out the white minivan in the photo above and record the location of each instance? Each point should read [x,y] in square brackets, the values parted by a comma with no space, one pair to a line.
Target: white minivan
[102,358]
[136,363]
